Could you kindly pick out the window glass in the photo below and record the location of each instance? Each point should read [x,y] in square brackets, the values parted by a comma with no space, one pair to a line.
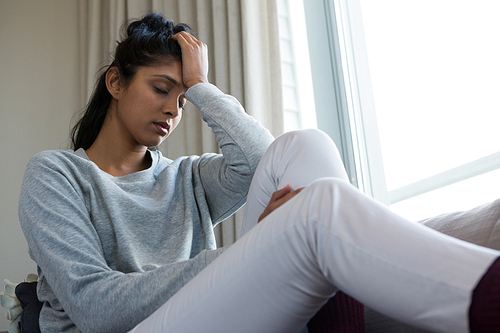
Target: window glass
[435,76]
[460,196]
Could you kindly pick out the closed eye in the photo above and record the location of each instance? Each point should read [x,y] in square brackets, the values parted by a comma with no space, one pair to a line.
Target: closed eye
[161,91]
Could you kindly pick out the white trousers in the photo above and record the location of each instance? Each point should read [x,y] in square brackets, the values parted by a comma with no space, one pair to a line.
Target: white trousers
[328,237]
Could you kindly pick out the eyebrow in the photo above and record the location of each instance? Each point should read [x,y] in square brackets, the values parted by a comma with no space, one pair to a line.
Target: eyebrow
[168,77]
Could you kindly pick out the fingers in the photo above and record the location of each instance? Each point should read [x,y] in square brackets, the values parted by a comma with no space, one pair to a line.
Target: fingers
[279,198]
[287,197]
[283,195]
[186,36]
[186,39]
[194,58]
[281,192]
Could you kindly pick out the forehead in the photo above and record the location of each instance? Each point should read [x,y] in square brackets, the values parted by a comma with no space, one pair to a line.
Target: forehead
[170,71]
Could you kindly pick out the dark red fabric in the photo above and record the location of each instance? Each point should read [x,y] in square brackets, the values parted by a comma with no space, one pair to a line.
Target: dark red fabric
[484,312]
[341,314]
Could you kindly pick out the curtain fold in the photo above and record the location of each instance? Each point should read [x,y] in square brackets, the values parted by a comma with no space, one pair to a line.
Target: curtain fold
[244,61]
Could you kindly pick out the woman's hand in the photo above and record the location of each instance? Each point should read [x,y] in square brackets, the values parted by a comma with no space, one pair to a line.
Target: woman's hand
[194,59]
[278,198]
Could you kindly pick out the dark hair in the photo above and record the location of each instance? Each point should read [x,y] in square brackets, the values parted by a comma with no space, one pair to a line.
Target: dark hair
[145,42]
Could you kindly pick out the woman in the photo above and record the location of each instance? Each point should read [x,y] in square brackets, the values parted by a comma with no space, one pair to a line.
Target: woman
[123,238]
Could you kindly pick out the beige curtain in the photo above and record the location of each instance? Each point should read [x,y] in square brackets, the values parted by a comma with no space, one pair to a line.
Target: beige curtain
[243,41]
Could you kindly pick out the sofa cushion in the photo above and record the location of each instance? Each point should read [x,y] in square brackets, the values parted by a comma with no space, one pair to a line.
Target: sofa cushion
[480,225]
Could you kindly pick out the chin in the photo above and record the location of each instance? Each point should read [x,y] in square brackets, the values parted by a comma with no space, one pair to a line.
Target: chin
[153,145]
[153,142]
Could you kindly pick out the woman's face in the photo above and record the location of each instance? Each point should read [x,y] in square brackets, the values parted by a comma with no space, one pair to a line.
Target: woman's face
[151,106]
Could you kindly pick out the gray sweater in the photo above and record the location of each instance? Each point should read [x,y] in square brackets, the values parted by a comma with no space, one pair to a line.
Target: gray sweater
[111,250]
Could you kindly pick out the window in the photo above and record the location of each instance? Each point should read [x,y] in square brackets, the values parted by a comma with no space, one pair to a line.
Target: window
[298,98]
[408,91]
[434,71]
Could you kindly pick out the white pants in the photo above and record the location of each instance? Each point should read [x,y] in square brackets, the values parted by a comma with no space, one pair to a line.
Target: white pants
[328,237]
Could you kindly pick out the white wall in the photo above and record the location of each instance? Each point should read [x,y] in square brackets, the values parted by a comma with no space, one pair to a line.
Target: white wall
[38,98]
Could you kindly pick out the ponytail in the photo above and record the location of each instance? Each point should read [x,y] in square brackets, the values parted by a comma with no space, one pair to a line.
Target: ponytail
[87,128]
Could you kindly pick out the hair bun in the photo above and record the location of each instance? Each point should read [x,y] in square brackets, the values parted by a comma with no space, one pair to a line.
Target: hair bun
[152,23]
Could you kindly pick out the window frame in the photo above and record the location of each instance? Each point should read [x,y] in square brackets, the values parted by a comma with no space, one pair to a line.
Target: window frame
[334,38]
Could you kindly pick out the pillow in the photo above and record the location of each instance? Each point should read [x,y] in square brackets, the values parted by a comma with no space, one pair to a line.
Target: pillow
[26,293]
[480,225]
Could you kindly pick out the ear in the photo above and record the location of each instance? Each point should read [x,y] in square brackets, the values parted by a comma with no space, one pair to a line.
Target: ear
[113,82]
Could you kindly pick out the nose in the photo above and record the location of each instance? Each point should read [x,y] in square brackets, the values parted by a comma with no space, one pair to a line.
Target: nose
[172,108]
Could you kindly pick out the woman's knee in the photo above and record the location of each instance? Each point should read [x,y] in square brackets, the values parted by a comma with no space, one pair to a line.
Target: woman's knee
[309,138]
[313,149]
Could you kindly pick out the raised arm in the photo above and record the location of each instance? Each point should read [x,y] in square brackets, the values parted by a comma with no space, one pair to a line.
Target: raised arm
[241,138]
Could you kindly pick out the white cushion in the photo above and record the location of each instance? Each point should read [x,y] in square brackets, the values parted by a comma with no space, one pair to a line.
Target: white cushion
[480,225]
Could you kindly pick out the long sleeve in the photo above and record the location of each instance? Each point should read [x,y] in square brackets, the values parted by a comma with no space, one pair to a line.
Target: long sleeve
[110,251]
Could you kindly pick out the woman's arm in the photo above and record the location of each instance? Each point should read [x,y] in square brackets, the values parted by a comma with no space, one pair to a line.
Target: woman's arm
[242,140]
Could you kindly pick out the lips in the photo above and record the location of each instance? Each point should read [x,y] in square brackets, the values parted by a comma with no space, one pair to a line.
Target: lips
[163,127]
